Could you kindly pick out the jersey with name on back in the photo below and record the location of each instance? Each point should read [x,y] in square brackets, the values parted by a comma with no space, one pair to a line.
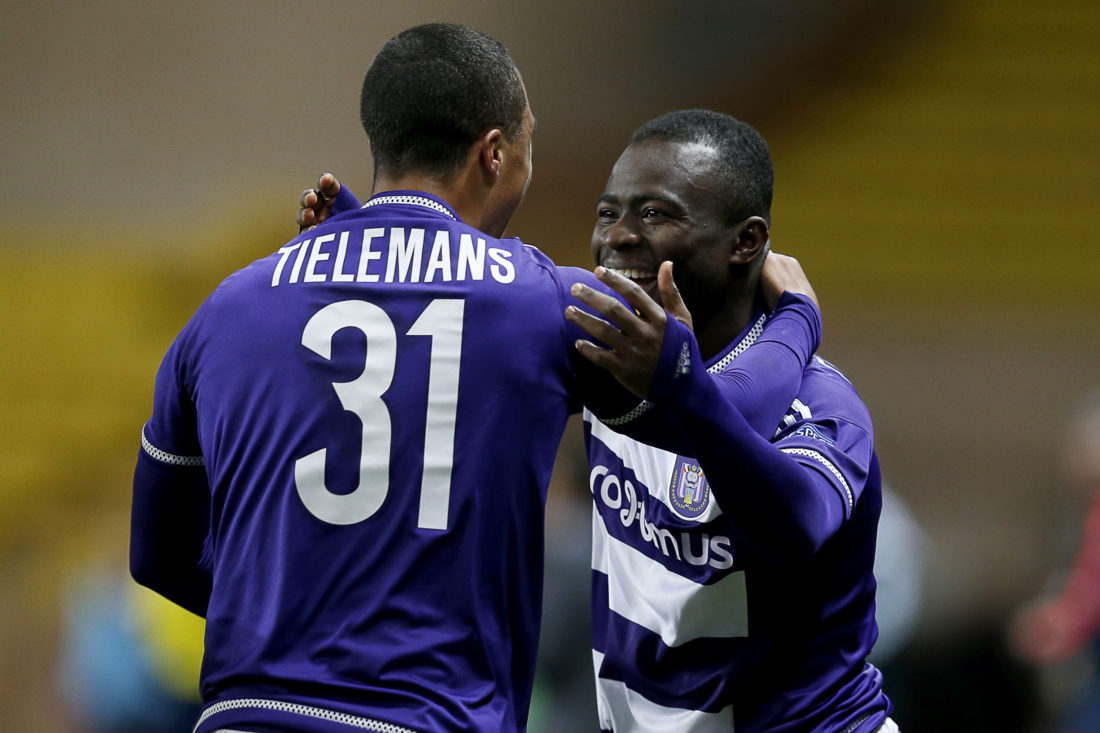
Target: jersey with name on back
[377,406]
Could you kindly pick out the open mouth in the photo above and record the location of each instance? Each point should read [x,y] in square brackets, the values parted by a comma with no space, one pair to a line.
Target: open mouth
[644,278]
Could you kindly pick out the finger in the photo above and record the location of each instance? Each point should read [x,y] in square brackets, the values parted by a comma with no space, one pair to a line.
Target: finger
[306,218]
[327,186]
[600,357]
[643,305]
[610,307]
[670,295]
[596,327]
[308,199]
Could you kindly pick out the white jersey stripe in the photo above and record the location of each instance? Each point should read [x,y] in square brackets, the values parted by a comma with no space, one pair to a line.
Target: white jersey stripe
[626,711]
[676,608]
[652,466]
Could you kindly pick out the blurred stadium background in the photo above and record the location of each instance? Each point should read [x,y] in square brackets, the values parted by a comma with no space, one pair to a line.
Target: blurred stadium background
[937,168]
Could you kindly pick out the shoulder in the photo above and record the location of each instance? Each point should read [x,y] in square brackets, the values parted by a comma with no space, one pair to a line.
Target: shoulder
[535,257]
[240,286]
[827,394]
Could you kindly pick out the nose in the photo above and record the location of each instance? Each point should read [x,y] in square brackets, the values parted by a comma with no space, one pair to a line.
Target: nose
[621,235]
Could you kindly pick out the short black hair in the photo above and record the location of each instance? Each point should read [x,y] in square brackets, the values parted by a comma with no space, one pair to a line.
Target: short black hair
[431,92]
[744,168]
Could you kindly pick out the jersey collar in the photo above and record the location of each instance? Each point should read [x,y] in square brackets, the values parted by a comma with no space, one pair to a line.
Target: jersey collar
[412,198]
[747,338]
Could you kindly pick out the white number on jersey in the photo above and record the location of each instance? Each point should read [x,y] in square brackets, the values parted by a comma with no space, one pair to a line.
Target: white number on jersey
[442,321]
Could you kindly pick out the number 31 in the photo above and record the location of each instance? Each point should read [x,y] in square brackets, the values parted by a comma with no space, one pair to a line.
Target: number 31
[442,321]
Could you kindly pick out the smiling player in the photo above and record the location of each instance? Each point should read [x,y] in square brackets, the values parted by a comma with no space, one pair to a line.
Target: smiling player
[346,465]
[732,590]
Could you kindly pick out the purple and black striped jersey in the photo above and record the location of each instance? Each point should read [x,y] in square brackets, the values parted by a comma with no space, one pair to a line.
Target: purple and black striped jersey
[696,625]
[377,407]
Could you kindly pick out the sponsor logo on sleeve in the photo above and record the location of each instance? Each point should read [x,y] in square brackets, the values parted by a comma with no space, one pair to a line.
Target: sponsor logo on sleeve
[683,362]
[807,430]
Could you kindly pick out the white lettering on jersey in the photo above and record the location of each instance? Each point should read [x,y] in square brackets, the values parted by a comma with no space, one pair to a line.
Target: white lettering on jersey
[315,256]
[368,255]
[504,271]
[338,274]
[440,258]
[623,496]
[471,260]
[405,260]
[406,254]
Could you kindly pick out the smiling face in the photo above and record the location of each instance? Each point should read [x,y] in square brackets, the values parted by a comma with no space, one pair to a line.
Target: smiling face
[662,202]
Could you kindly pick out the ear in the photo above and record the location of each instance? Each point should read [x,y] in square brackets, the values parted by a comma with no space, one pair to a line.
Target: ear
[751,240]
[491,153]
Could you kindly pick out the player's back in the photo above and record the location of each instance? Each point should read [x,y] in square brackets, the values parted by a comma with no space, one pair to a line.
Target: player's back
[379,404]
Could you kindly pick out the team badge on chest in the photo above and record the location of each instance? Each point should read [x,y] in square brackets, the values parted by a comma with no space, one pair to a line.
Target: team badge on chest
[688,491]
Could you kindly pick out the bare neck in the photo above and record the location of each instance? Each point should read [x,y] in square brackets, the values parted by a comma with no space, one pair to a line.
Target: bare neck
[729,320]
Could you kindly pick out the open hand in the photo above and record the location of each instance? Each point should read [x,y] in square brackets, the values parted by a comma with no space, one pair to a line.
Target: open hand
[634,337]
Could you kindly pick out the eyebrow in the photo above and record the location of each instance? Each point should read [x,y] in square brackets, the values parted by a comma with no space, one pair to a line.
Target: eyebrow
[640,198]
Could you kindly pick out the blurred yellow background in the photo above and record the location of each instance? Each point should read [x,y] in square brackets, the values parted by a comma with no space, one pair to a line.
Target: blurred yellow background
[937,173]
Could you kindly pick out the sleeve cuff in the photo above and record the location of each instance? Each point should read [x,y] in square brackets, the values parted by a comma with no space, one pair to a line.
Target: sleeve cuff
[679,361]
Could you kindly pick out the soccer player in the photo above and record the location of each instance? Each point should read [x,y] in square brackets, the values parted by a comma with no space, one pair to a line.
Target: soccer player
[734,593]
[346,465]
[738,594]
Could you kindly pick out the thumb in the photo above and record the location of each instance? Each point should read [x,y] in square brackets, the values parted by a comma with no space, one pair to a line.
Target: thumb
[670,295]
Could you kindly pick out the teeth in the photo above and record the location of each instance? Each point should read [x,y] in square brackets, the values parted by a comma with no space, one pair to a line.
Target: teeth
[633,274]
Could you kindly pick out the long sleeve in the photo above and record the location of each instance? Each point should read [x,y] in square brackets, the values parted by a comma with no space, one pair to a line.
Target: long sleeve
[760,383]
[169,524]
[786,508]
[170,513]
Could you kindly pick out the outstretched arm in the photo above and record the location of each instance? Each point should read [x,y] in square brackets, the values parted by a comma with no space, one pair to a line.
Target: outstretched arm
[761,382]
[783,507]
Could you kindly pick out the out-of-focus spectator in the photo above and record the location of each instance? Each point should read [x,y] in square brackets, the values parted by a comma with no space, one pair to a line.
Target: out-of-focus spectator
[899,569]
[129,659]
[1055,629]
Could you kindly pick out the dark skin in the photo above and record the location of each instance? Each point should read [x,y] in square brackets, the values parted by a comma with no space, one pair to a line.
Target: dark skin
[662,202]
[661,205]
[660,210]
[315,204]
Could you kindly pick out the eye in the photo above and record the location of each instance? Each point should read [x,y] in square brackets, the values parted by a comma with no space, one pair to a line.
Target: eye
[649,213]
[603,213]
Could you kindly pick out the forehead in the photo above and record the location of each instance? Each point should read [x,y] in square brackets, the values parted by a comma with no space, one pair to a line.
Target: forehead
[686,169]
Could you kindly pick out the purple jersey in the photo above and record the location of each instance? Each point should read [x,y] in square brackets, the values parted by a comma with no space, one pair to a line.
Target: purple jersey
[377,407]
[694,628]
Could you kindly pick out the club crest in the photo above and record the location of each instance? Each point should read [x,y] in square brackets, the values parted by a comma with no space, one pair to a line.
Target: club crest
[688,491]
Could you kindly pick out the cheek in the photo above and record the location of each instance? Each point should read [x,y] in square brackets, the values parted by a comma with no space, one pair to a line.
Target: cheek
[701,276]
